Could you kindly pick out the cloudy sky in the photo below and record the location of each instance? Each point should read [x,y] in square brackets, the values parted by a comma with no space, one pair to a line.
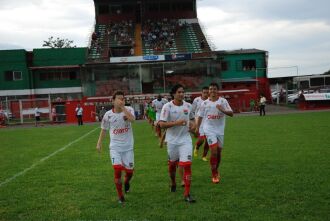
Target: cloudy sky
[295,32]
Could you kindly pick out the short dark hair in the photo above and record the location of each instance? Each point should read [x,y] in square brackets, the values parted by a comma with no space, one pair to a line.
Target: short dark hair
[117,93]
[213,84]
[174,89]
[205,88]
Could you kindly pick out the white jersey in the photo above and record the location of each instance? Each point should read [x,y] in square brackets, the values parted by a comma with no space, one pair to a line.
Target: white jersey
[172,112]
[79,110]
[196,104]
[158,105]
[121,134]
[214,121]
[36,112]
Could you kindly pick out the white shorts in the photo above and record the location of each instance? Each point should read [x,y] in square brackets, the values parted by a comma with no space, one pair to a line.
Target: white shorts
[125,160]
[181,153]
[215,140]
[201,131]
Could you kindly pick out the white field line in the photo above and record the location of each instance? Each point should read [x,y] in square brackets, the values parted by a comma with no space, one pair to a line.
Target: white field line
[45,158]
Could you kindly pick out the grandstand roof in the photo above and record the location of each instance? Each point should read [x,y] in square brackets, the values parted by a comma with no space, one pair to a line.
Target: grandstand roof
[241,51]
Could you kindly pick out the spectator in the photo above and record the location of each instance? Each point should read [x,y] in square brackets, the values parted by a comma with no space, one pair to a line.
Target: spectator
[202,44]
[79,114]
[37,115]
[262,105]
[131,52]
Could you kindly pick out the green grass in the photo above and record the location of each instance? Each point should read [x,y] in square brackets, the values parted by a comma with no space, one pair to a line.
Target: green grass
[274,168]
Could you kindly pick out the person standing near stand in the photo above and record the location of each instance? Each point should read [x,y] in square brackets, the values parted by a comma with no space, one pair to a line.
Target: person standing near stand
[79,114]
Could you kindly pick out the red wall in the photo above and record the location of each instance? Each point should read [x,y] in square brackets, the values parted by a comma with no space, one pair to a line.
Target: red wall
[88,111]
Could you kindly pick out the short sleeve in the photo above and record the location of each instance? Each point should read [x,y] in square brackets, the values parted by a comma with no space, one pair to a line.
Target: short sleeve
[201,111]
[191,115]
[164,115]
[194,106]
[105,124]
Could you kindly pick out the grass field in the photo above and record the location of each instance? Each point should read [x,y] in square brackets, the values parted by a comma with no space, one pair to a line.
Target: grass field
[274,168]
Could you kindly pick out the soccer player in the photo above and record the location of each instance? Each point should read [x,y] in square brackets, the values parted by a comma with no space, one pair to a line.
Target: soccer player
[158,104]
[152,117]
[118,122]
[201,136]
[177,118]
[214,111]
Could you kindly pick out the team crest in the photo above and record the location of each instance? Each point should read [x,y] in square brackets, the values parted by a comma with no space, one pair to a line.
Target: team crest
[185,111]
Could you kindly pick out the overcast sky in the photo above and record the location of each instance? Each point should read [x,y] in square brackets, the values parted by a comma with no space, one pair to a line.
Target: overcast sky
[295,32]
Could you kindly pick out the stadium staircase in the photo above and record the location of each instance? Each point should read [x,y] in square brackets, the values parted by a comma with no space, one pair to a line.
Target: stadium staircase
[189,40]
[94,54]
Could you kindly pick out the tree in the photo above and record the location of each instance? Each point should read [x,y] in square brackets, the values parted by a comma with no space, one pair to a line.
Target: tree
[327,72]
[58,43]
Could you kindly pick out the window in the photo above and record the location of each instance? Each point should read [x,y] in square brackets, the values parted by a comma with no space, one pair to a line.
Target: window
[225,65]
[8,76]
[73,75]
[249,65]
[304,84]
[13,76]
[317,82]
[327,81]
[58,75]
[43,76]
[17,75]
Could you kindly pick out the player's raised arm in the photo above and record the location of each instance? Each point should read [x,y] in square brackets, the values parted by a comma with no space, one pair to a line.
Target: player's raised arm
[226,109]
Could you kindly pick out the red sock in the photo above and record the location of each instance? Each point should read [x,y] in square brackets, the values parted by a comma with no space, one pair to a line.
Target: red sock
[219,157]
[199,142]
[187,179]
[128,176]
[213,163]
[172,171]
[118,182]
[206,149]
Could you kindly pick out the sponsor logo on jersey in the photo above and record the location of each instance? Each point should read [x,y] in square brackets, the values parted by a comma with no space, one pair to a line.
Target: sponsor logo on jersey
[120,130]
[214,117]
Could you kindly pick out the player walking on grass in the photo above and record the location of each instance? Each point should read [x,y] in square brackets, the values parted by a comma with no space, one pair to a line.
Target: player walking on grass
[118,122]
[214,111]
[158,104]
[176,117]
[201,136]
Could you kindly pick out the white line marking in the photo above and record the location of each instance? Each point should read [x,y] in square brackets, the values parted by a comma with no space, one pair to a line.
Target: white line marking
[45,158]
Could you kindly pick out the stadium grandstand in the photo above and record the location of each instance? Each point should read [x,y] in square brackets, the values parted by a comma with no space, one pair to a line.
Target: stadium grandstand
[141,47]
[145,47]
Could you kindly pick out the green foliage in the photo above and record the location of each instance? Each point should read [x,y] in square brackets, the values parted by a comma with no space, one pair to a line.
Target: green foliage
[273,168]
[58,43]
